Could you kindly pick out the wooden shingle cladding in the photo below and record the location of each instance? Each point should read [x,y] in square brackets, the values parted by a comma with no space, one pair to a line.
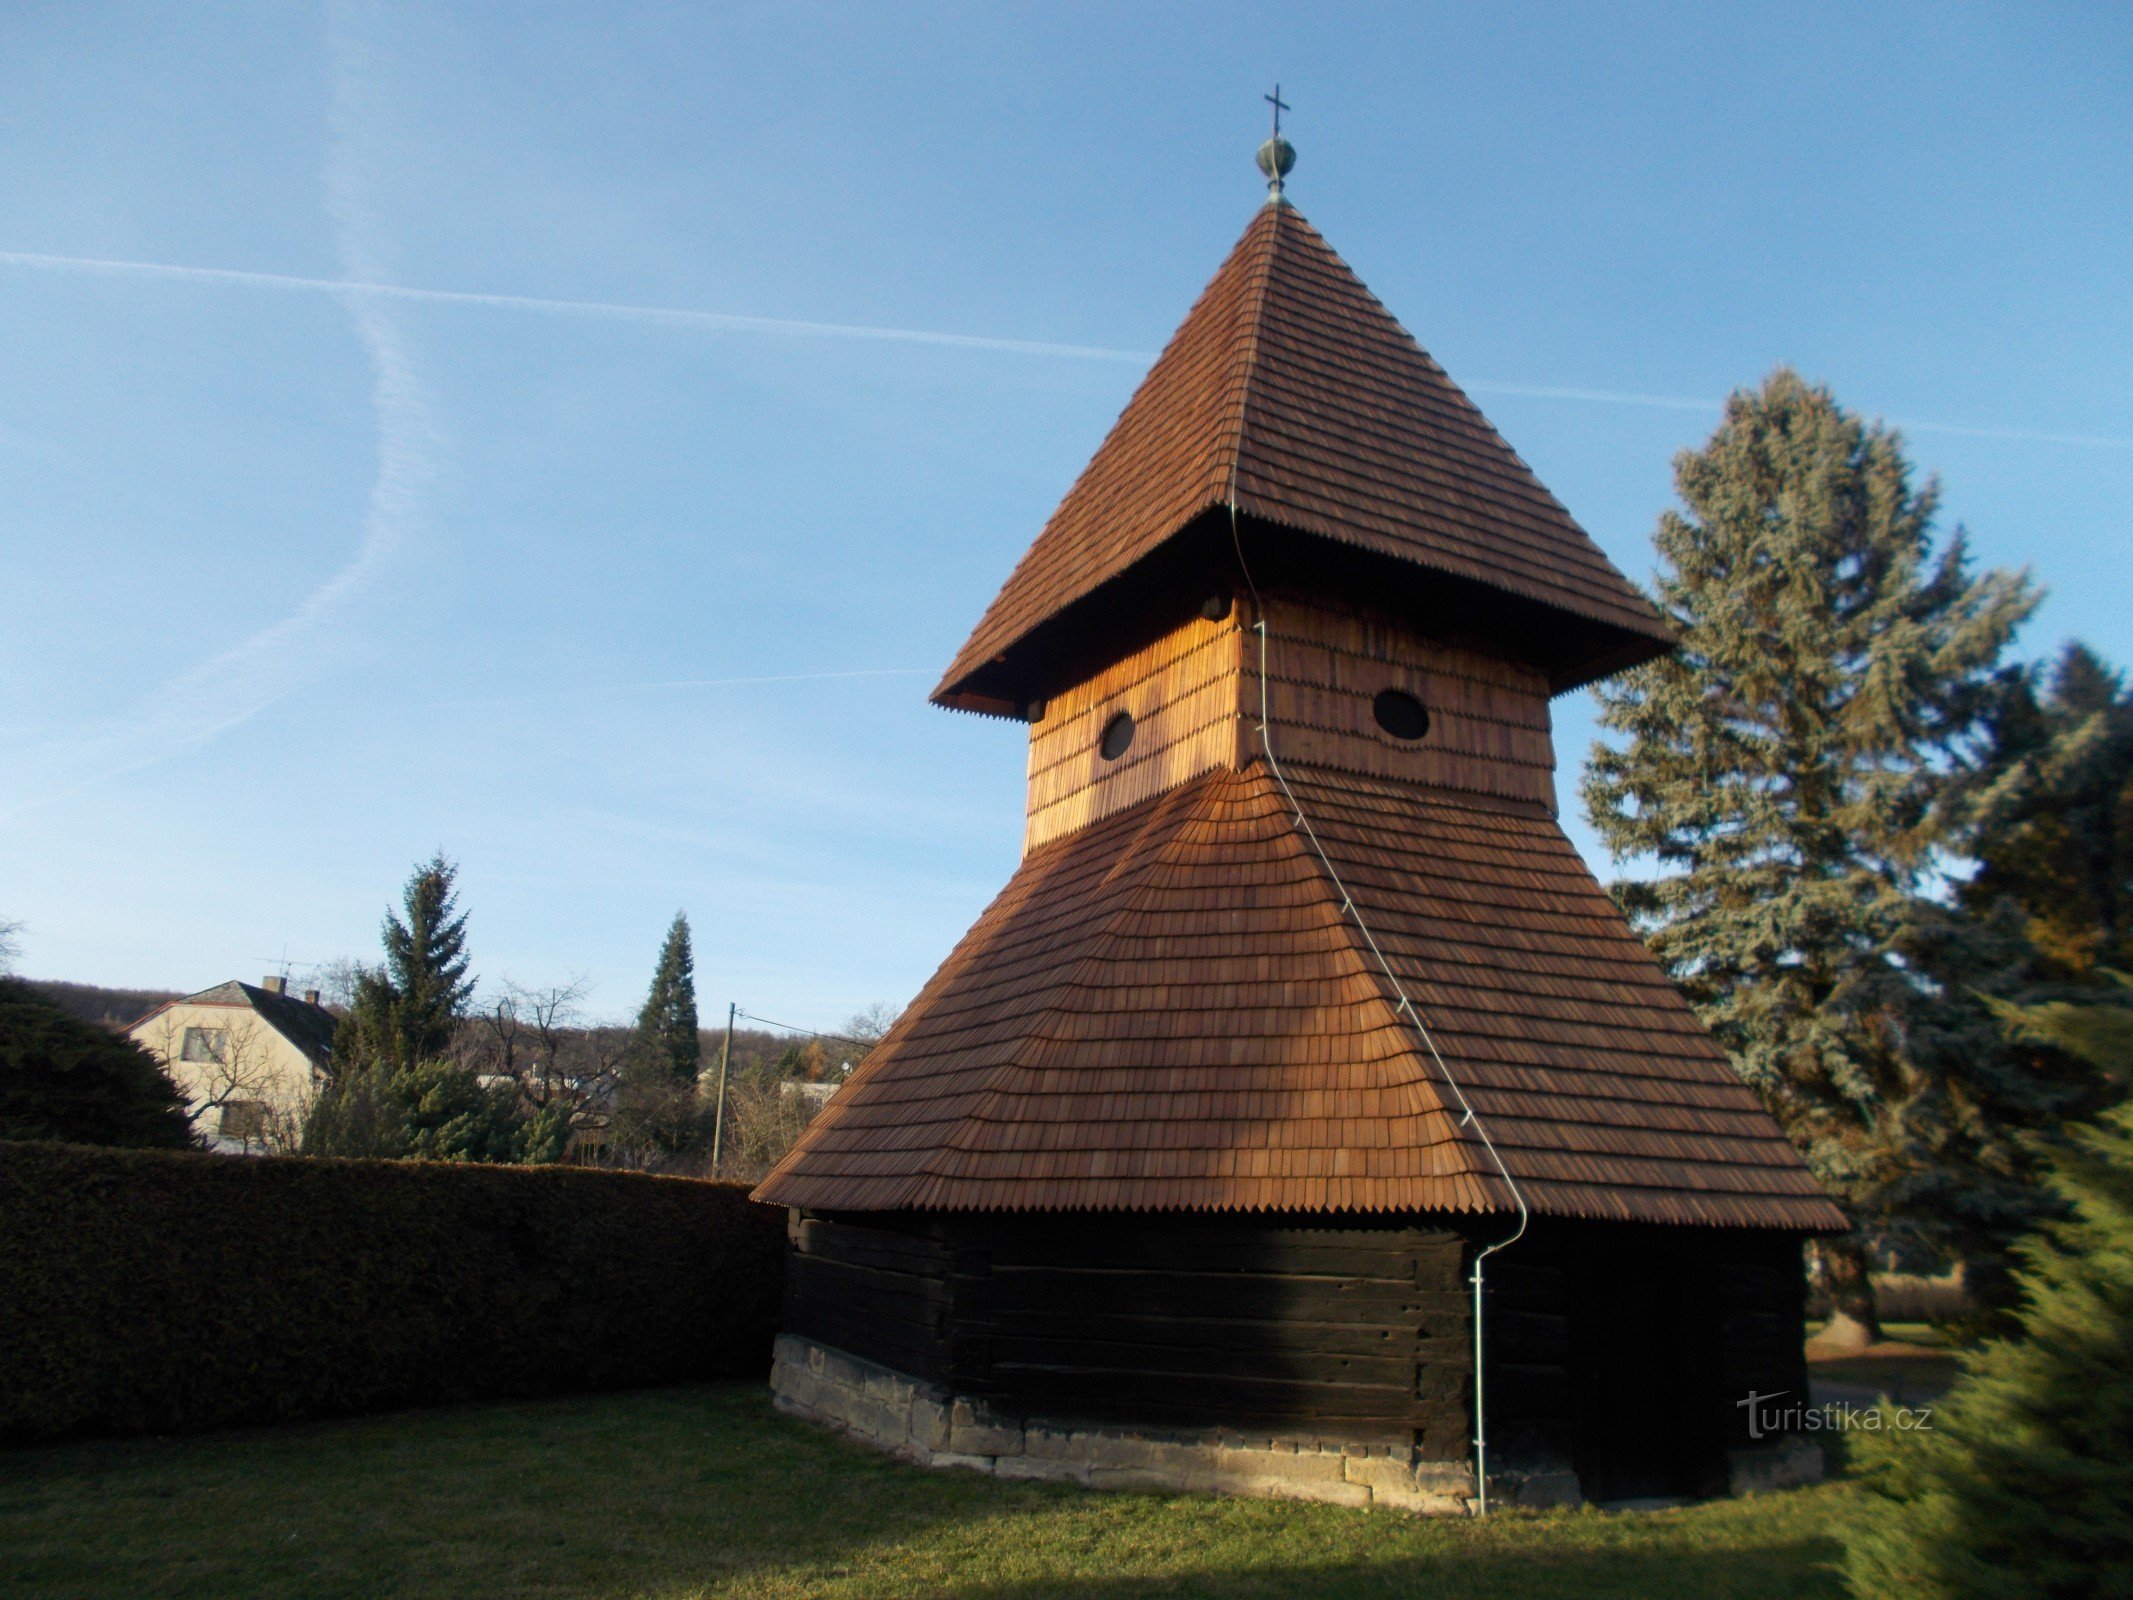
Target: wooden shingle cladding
[1182,692]
[1161,1011]
[1194,695]
[1326,664]
[1172,1010]
[1605,1094]
[1292,395]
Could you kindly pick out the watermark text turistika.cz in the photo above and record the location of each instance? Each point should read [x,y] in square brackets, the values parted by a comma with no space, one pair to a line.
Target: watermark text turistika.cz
[1766,1416]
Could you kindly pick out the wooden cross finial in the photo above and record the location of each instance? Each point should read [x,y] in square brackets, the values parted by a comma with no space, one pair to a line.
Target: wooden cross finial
[1277,155]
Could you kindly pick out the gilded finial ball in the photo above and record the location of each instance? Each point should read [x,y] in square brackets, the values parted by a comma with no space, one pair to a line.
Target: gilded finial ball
[1276,157]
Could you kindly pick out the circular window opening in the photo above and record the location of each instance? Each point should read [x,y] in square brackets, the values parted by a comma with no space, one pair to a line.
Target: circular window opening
[1401,714]
[1118,736]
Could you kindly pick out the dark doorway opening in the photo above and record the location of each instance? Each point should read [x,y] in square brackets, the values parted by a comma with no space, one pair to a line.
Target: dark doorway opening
[1648,1407]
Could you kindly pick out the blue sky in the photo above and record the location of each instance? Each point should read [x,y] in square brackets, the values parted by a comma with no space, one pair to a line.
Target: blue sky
[629,612]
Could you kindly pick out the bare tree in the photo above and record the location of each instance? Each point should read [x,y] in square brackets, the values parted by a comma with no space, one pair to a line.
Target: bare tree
[336,982]
[764,1117]
[10,945]
[771,1101]
[867,1027]
[539,1040]
[661,1125]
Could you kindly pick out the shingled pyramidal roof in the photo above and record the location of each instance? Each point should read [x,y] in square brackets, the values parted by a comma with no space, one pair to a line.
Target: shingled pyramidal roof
[1292,393]
[1172,1008]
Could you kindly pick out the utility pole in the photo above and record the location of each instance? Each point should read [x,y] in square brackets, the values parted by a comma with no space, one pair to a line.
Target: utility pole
[718,1121]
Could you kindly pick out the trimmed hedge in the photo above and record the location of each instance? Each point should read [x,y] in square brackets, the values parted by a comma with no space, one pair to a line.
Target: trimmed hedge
[152,1291]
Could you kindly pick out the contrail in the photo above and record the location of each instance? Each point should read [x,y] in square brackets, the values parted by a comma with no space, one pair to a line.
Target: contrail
[719,321]
[237,683]
[240,682]
[733,322]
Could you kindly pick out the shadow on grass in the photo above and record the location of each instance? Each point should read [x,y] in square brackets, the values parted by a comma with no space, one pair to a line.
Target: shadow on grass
[1803,1568]
[707,1492]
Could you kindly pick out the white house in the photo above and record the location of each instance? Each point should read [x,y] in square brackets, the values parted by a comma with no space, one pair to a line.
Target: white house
[248,1060]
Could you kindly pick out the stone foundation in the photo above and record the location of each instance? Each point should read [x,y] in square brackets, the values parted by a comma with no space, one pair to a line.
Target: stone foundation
[921,1424]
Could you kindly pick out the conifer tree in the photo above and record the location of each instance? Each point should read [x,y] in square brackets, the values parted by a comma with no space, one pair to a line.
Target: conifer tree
[446,1115]
[2022,1484]
[73,1081]
[667,1041]
[1968,1179]
[394,1089]
[426,962]
[406,1010]
[2043,815]
[2049,816]
[2098,1033]
[1782,772]
[357,1112]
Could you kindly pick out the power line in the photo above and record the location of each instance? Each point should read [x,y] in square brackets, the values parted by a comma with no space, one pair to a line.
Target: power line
[812,1033]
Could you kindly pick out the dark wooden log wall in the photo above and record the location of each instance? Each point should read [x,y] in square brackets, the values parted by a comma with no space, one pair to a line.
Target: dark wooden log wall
[877,1288]
[1356,1333]
[1625,1350]
[1527,1325]
[1359,1333]
[1621,1350]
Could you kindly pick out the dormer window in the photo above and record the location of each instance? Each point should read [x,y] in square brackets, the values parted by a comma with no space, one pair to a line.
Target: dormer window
[1117,737]
[1401,714]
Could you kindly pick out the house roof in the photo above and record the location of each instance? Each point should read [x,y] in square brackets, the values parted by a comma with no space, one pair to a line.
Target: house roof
[1292,394]
[1171,1010]
[308,1027]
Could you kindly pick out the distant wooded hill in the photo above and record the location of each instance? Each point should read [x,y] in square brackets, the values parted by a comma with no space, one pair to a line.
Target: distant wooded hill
[115,1008]
[754,1050]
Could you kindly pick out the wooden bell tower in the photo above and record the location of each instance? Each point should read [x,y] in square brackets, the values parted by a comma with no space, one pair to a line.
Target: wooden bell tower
[1199,1131]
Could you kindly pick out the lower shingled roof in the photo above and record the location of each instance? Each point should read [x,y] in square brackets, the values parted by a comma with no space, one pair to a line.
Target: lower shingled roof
[1170,1010]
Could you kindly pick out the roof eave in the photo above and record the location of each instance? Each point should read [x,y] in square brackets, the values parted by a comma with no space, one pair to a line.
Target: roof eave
[1806,1216]
[1636,650]
[1159,590]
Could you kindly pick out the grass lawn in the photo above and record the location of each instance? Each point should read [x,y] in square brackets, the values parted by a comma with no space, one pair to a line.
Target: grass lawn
[1913,1365]
[707,1491]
